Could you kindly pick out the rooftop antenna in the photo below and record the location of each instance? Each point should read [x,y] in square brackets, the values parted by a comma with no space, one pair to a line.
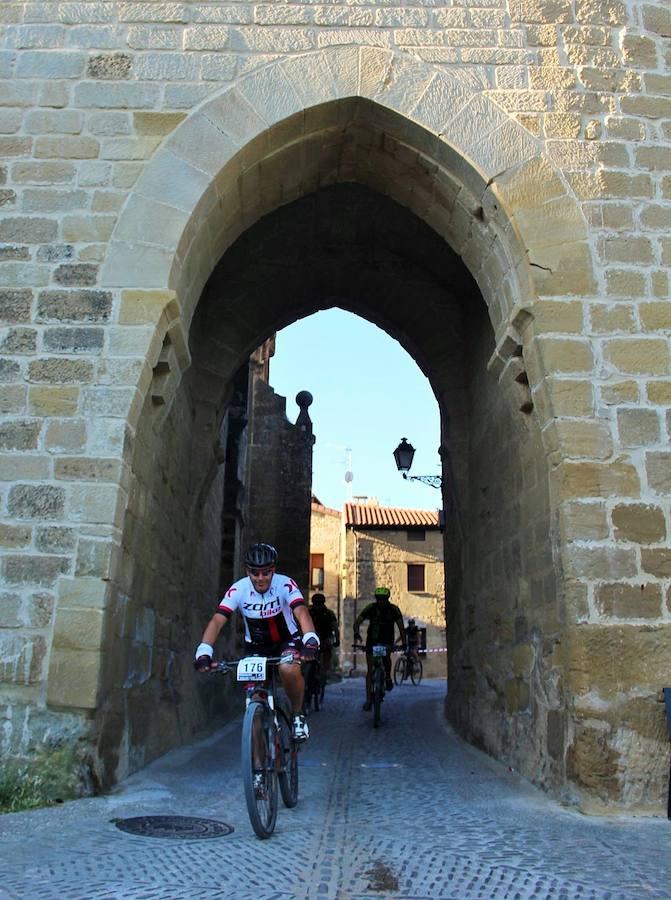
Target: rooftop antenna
[349,476]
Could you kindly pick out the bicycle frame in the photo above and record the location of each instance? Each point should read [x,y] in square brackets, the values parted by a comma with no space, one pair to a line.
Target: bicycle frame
[268,749]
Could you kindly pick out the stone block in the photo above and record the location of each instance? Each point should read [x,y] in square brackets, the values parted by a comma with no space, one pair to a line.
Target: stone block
[658,468]
[65,436]
[611,660]
[616,392]
[78,628]
[129,264]
[156,124]
[163,13]
[588,479]
[639,522]
[13,399]
[50,64]
[28,230]
[147,307]
[55,252]
[74,306]
[19,434]
[13,537]
[565,397]
[33,569]
[83,593]
[79,468]
[95,558]
[101,504]
[88,228]
[29,501]
[15,146]
[15,305]
[144,37]
[22,657]
[73,678]
[600,563]
[638,356]
[583,521]
[109,66]
[655,316]
[19,341]
[117,95]
[638,427]
[659,392]
[561,355]
[28,467]
[627,283]
[55,538]
[55,370]
[10,371]
[610,318]
[629,601]
[73,340]
[627,249]
[66,147]
[76,274]
[54,121]
[53,401]
[657,562]
[576,438]
[49,200]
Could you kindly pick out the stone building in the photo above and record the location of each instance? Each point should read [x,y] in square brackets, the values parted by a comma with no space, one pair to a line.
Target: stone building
[488,181]
[401,549]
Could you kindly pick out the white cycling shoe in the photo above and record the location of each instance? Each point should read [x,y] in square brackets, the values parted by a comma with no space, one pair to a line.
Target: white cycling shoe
[300,727]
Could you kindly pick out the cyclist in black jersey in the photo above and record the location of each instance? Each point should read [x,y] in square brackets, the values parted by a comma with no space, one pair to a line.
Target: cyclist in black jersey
[381,616]
[275,616]
[326,626]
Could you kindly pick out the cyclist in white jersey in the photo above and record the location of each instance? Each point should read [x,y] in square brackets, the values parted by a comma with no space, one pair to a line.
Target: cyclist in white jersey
[274,615]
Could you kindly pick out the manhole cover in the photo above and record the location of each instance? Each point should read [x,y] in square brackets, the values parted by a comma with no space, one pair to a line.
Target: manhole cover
[180,828]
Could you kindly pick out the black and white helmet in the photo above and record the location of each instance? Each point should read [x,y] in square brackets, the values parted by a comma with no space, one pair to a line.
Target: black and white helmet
[260,555]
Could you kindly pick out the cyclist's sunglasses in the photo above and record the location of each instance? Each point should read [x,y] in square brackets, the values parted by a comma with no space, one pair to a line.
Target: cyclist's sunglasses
[264,573]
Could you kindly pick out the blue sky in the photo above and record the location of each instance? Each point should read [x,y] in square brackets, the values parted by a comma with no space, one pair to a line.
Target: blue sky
[368,394]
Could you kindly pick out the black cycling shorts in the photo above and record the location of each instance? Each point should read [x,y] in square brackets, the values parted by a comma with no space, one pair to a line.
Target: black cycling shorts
[293,644]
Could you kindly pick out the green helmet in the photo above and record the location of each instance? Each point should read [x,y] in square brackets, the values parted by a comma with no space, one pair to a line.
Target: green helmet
[383,592]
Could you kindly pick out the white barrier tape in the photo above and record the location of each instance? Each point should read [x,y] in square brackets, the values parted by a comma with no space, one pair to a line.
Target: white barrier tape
[420,652]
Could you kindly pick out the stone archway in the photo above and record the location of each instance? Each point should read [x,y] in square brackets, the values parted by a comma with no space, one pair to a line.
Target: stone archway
[479,181]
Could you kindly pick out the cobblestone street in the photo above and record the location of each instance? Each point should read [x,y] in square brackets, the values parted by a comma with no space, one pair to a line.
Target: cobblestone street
[404,811]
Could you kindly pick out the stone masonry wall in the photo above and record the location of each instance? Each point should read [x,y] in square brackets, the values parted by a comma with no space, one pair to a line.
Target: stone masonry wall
[533,136]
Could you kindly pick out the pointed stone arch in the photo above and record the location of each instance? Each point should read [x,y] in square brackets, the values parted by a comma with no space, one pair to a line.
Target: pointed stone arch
[487,188]
[402,127]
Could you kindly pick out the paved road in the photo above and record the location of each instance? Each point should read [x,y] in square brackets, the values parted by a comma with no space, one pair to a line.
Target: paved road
[404,811]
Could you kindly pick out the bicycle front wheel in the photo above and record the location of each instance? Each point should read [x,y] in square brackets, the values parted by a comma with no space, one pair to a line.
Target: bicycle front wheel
[288,762]
[416,671]
[399,670]
[378,694]
[258,768]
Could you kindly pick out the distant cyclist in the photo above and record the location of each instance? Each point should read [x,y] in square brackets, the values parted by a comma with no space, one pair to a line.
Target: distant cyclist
[412,634]
[274,615]
[326,626]
[381,616]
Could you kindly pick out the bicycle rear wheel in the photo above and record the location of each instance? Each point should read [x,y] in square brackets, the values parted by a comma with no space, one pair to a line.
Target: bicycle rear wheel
[416,671]
[288,763]
[258,757]
[378,694]
[399,670]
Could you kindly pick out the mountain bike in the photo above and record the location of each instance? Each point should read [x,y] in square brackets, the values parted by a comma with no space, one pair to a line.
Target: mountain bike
[269,751]
[408,666]
[378,676]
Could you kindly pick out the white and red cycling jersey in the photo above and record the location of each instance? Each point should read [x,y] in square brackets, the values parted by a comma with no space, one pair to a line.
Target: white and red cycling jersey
[268,617]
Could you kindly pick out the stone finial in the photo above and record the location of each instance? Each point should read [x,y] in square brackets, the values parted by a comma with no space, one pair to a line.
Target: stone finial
[304,400]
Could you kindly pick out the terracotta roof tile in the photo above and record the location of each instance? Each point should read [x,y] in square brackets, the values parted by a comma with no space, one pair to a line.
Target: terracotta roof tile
[362,515]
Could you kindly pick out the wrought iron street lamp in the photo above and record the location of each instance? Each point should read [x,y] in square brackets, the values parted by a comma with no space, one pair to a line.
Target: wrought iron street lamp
[403,455]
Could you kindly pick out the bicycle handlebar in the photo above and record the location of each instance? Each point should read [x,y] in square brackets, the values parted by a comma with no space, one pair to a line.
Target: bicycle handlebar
[392,649]
[227,665]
